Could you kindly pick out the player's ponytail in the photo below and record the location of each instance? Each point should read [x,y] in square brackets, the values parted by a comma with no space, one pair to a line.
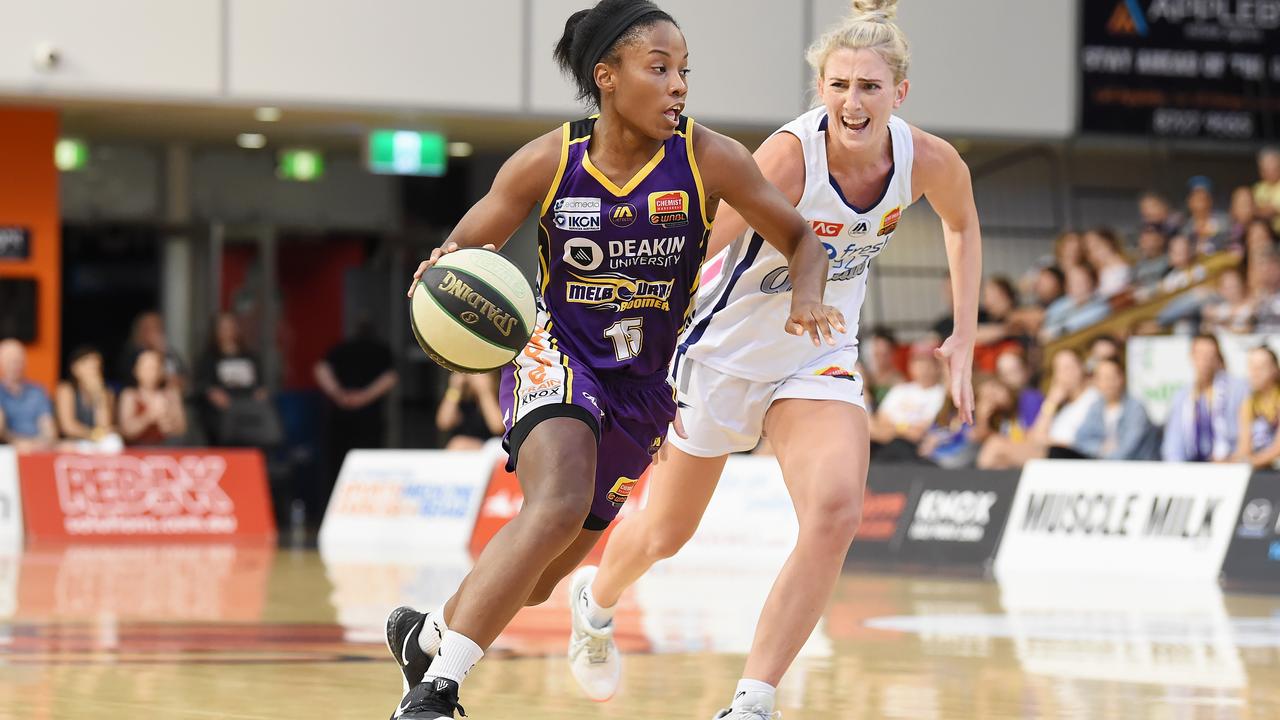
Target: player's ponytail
[871,26]
[595,35]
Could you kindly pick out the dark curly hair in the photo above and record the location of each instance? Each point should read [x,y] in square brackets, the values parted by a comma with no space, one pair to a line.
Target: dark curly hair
[573,47]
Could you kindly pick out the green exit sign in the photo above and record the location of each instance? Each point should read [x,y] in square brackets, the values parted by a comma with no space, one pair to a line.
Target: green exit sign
[405,152]
[300,165]
[70,155]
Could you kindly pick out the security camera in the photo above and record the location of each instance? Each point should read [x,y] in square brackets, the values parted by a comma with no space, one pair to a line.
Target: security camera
[47,57]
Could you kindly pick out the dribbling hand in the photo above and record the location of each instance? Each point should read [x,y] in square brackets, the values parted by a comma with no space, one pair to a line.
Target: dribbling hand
[435,257]
[820,321]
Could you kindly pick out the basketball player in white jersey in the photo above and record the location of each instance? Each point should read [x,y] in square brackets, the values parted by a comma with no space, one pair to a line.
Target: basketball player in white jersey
[851,167]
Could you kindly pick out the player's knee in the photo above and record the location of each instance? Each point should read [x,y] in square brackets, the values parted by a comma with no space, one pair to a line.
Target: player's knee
[834,517]
[559,515]
[664,542]
[540,594]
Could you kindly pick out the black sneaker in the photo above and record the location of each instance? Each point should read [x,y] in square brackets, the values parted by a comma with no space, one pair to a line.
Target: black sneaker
[404,625]
[430,700]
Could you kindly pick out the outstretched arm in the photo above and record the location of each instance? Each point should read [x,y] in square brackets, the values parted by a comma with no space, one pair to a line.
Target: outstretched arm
[941,174]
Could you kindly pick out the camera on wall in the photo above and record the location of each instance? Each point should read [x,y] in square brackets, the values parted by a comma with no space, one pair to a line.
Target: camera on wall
[46,56]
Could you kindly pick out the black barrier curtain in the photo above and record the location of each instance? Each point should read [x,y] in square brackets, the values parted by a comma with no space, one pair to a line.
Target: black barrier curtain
[1253,558]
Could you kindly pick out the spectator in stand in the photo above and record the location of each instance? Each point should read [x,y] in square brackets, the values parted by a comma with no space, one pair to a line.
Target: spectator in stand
[235,410]
[1103,347]
[1229,309]
[1266,192]
[1105,255]
[1155,210]
[28,414]
[1242,213]
[1258,241]
[1068,250]
[1183,269]
[1078,309]
[1207,229]
[85,406]
[1000,301]
[148,334]
[1069,398]
[884,370]
[909,409]
[1153,257]
[1116,426]
[1046,289]
[1204,417]
[469,414]
[1259,443]
[951,444]
[1266,295]
[151,411]
[1012,370]
[355,376]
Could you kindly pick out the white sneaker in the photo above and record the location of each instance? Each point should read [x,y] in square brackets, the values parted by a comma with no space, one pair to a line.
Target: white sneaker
[755,712]
[593,657]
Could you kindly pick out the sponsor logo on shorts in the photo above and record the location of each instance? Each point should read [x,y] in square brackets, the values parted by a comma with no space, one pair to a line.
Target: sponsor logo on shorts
[823,228]
[889,222]
[583,253]
[835,371]
[621,491]
[669,209]
[549,389]
[660,252]
[623,215]
[578,214]
[455,286]
[619,293]
[656,445]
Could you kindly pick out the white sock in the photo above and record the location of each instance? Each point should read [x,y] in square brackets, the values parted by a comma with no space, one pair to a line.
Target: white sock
[457,655]
[599,617]
[433,630]
[753,692]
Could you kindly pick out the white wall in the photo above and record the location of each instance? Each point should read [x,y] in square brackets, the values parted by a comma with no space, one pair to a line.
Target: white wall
[990,67]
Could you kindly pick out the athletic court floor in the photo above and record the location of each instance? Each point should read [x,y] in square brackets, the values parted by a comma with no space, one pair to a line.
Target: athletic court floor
[220,631]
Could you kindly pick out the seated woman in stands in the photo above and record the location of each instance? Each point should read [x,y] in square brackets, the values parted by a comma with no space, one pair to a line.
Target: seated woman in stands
[84,406]
[1229,309]
[1203,424]
[1116,427]
[151,411]
[1079,308]
[1153,257]
[1259,442]
[1069,398]
[1115,271]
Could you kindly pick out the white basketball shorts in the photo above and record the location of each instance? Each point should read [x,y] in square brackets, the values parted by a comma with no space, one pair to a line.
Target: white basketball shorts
[724,414]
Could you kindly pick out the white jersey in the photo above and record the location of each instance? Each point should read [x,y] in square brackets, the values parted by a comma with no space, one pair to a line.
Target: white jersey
[737,327]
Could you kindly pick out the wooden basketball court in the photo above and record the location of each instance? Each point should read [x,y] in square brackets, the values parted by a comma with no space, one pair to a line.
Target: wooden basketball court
[218,631]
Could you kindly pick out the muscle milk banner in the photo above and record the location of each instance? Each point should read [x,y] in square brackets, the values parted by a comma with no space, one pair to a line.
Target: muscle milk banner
[1122,519]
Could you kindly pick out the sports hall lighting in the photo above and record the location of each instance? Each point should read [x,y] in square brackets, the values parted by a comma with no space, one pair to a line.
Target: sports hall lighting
[267,114]
[251,141]
[70,154]
[460,149]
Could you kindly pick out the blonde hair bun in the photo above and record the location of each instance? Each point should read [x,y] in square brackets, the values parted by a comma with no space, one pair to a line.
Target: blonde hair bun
[875,10]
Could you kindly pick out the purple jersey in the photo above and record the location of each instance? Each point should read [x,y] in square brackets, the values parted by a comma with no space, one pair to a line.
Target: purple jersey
[619,265]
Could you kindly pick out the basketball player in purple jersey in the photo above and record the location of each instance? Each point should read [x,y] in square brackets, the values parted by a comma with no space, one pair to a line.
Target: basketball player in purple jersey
[625,210]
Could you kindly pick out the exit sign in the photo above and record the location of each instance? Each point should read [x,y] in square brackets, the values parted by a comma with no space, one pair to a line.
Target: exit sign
[15,243]
[300,165]
[405,152]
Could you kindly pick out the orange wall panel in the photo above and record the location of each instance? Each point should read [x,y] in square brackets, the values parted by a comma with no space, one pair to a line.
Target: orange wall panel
[29,198]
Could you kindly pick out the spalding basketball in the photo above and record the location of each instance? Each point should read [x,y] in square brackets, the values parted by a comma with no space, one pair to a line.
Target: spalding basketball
[472,311]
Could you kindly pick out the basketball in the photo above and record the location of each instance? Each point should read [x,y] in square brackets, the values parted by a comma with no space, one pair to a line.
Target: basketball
[473,311]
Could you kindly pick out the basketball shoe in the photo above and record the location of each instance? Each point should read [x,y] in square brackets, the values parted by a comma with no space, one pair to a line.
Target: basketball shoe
[404,628]
[430,700]
[593,656]
[755,712]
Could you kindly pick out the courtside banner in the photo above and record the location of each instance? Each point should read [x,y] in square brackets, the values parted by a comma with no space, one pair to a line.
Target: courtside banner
[1254,554]
[425,499]
[184,493]
[957,516]
[1122,519]
[887,501]
[10,501]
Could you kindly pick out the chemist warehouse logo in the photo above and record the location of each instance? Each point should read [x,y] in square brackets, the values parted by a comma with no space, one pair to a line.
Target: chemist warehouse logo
[1128,19]
[617,292]
[669,209]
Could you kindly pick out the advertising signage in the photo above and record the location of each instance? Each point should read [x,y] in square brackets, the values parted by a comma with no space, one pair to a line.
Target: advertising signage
[1181,68]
